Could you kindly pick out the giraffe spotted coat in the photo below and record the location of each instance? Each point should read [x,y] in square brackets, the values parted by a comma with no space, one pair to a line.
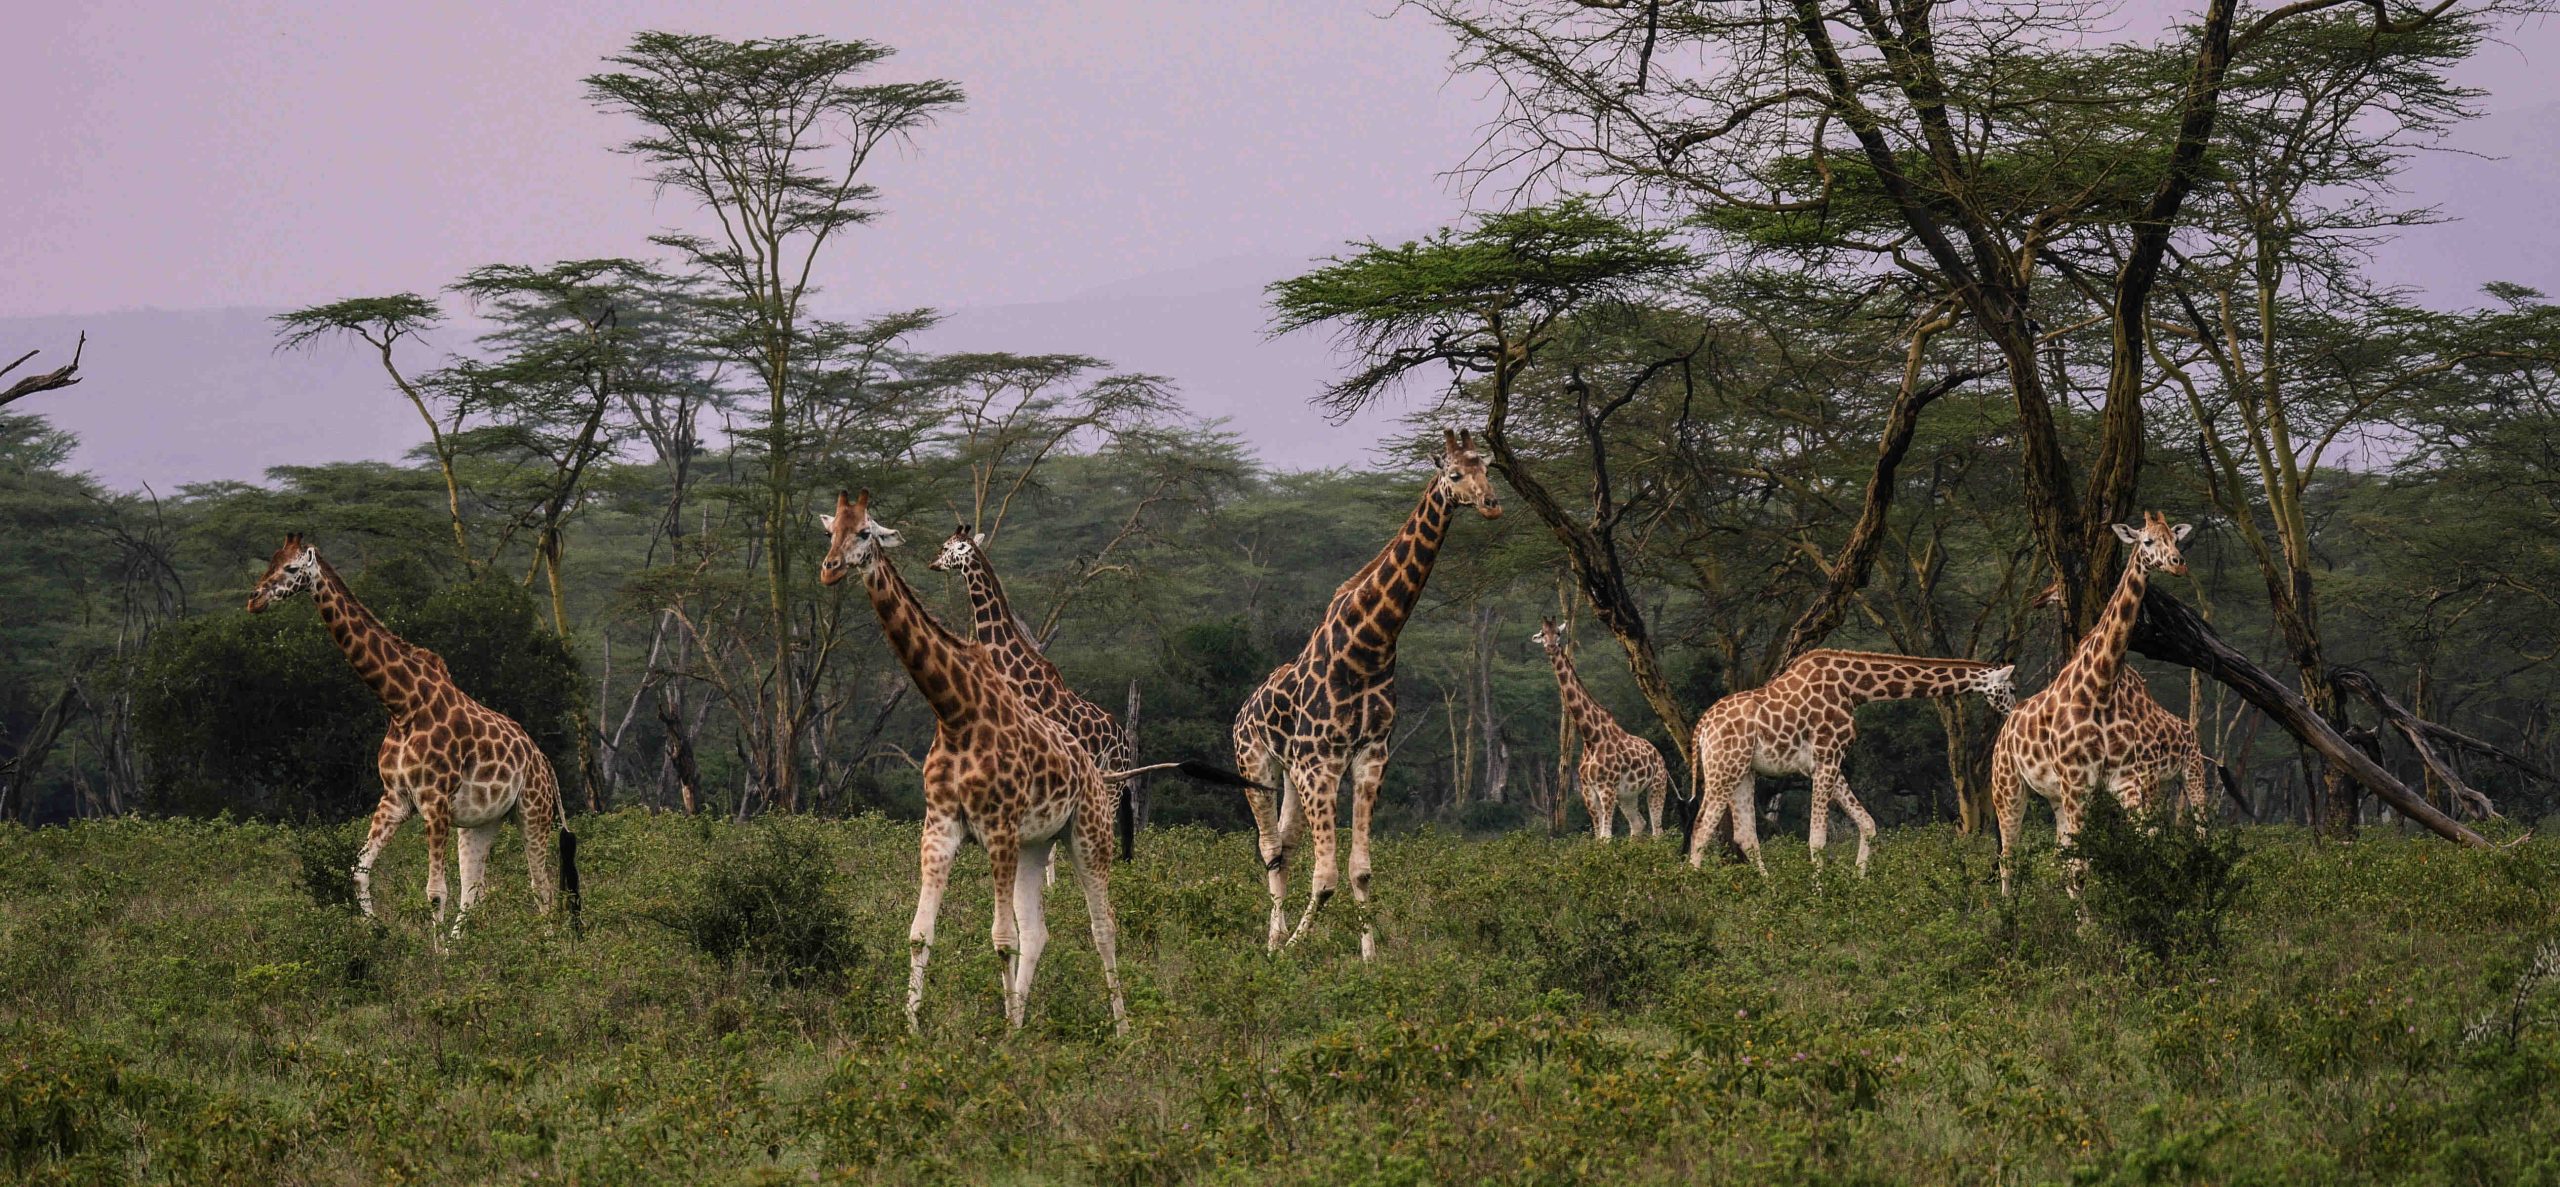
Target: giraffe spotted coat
[1618,768]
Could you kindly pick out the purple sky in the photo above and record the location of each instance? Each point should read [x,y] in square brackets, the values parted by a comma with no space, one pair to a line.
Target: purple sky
[187,156]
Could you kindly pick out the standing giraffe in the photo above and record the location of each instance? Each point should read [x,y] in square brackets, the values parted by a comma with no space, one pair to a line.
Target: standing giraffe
[450,759]
[1801,723]
[1009,776]
[1039,681]
[1335,704]
[2058,742]
[1617,766]
[2147,741]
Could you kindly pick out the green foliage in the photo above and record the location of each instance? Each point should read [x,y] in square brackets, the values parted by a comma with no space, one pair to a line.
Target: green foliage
[771,902]
[175,1007]
[326,856]
[2163,886]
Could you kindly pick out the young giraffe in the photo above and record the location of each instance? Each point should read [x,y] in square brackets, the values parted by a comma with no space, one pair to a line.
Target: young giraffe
[1616,765]
[1801,723]
[2147,741]
[2057,744]
[446,757]
[1011,777]
[1335,704]
[1038,680]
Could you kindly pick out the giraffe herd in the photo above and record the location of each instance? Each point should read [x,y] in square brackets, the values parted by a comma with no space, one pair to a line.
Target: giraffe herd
[1020,762]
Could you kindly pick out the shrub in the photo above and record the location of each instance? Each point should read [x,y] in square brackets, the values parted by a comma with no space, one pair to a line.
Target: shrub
[327,855]
[772,904]
[2162,886]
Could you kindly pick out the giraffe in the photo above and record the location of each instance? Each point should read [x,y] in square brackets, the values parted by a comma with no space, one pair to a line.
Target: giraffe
[449,759]
[1801,723]
[1334,705]
[2147,741]
[2057,744]
[998,770]
[1616,765]
[1039,681]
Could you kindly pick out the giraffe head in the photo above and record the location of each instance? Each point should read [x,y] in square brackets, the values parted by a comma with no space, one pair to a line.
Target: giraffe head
[293,570]
[2155,543]
[1462,468]
[854,539]
[954,557]
[1999,686]
[1549,636]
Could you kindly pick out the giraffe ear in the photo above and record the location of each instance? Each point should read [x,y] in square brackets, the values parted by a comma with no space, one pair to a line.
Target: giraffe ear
[2127,533]
[978,538]
[828,522]
[2181,530]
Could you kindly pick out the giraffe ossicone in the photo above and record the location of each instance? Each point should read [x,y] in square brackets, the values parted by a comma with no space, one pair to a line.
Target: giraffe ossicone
[445,757]
[1618,768]
[999,771]
[1331,709]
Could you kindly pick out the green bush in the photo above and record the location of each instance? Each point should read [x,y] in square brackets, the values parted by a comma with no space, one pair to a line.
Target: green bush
[2163,886]
[325,858]
[771,903]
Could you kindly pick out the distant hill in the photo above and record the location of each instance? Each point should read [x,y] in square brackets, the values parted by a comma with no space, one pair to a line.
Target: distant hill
[179,396]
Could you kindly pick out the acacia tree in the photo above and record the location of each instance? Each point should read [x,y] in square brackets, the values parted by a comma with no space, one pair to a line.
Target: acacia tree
[1978,147]
[383,323]
[771,137]
[1485,302]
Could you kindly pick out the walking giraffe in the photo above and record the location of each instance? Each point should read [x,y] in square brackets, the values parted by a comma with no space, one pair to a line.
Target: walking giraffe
[1039,681]
[1801,723]
[1009,776]
[449,759]
[1616,766]
[2147,741]
[1334,706]
[2057,744]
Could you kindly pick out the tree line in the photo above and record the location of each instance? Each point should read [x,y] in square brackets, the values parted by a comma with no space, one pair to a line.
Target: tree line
[1789,326]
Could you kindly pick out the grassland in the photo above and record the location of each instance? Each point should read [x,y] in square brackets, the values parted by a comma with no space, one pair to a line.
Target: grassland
[179,1003]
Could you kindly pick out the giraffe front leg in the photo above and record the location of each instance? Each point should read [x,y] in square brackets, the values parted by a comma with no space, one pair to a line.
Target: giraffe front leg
[1275,857]
[1629,797]
[1826,779]
[1859,816]
[1004,862]
[1368,770]
[1716,780]
[2008,808]
[476,842]
[1094,878]
[438,815]
[394,808]
[1030,916]
[1656,797]
[935,852]
[1270,835]
[1314,782]
[1746,818]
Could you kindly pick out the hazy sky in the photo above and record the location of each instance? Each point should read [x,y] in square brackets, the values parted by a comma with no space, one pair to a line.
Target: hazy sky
[189,156]
[181,155]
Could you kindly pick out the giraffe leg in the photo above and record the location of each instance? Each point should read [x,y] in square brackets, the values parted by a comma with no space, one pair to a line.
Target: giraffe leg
[2066,825]
[1717,775]
[1818,811]
[1004,862]
[1857,813]
[475,867]
[437,811]
[1597,801]
[1368,770]
[1658,793]
[1314,781]
[1030,916]
[2008,808]
[934,854]
[1088,840]
[388,815]
[1630,799]
[2199,794]
[1746,818]
[1273,826]
[540,815]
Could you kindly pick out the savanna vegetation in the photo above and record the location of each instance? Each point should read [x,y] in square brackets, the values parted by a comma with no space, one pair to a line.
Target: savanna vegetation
[1781,325]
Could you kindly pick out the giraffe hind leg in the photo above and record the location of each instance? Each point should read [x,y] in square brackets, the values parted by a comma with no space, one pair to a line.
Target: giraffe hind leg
[394,809]
[935,851]
[1094,878]
[1030,920]
[1368,770]
[1316,781]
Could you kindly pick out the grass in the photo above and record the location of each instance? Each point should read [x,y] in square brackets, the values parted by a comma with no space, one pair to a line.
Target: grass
[177,1005]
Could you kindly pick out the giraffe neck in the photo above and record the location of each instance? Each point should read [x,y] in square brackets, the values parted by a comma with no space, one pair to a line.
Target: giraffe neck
[992,616]
[2093,667]
[1389,585]
[400,673]
[1876,677]
[1589,718]
[947,669]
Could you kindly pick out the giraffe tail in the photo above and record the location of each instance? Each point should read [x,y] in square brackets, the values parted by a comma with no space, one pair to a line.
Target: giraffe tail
[1125,816]
[1199,771]
[570,895]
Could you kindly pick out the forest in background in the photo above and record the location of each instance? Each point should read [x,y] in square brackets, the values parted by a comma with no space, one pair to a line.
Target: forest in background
[1826,365]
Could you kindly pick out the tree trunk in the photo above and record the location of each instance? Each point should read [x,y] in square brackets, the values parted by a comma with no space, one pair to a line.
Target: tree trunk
[680,756]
